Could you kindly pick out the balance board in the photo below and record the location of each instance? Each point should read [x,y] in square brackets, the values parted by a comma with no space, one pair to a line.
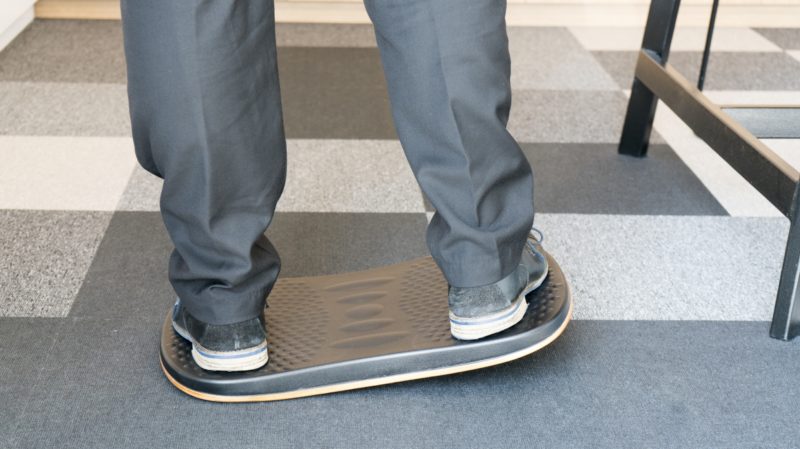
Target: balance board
[355,330]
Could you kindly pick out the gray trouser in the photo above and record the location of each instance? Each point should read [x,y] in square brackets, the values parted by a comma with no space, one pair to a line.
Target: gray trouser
[206,113]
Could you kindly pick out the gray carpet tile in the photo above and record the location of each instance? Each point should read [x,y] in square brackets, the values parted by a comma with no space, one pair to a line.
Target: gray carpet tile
[786,38]
[325,35]
[604,384]
[772,123]
[591,178]
[142,192]
[77,51]
[334,93]
[44,256]
[595,179]
[326,93]
[542,57]
[91,51]
[349,176]
[24,344]
[568,116]
[552,59]
[726,70]
[323,175]
[128,277]
[669,267]
[67,109]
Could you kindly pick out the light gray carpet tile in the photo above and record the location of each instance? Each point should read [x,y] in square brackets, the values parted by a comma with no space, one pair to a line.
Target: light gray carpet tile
[786,38]
[334,93]
[325,35]
[602,385]
[552,59]
[668,267]
[568,116]
[621,38]
[323,176]
[64,173]
[595,179]
[726,70]
[67,109]
[44,256]
[787,149]
[76,51]
[128,277]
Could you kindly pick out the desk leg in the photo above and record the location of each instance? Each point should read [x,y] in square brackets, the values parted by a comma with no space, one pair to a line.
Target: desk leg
[642,104]
[786,318]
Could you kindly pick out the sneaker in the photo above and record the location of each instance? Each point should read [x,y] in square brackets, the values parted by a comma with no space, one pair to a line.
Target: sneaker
[478,312]
[232,347]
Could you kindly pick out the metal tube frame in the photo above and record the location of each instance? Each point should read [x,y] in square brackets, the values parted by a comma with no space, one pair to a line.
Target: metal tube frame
[712,22]
[654,79]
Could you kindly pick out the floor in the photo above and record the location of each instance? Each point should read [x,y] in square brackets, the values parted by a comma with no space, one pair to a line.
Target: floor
[674,259]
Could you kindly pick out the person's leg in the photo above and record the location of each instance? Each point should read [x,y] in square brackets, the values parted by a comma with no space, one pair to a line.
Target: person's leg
[447,67]
[206,115]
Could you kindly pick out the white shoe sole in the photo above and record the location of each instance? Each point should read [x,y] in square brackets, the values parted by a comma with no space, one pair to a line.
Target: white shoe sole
[476,328]
[242,360]
[480,327]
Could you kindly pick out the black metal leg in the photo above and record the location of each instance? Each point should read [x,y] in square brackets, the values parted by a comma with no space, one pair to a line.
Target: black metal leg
[701,79]
[642,104]
[786,318]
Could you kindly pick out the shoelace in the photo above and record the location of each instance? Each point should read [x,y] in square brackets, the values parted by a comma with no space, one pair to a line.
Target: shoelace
[533,240]
[540,237]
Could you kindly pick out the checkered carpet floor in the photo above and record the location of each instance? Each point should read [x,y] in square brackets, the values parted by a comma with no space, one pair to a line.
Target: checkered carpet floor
[674,259]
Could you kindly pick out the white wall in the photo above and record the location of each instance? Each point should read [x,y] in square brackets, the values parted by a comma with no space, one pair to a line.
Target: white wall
[15,15]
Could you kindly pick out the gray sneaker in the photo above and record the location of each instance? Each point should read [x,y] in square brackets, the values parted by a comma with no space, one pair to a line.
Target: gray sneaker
[233,347]
[478,312]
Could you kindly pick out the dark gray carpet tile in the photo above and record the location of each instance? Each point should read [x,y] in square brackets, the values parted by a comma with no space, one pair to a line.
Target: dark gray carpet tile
[128,277]
[314,244]
[604,384]
[594,179]
[66,51]
[786,38]
[726,70]
[334,93]
[24,344]
[44,256]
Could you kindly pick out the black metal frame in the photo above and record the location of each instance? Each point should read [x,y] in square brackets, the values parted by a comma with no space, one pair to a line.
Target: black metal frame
[654,79]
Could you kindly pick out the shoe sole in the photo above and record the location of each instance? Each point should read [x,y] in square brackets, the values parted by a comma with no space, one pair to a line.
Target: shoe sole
[476,328]
[230,361]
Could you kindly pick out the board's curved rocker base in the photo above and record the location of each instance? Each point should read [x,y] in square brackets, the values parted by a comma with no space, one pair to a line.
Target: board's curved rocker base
[357,330]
